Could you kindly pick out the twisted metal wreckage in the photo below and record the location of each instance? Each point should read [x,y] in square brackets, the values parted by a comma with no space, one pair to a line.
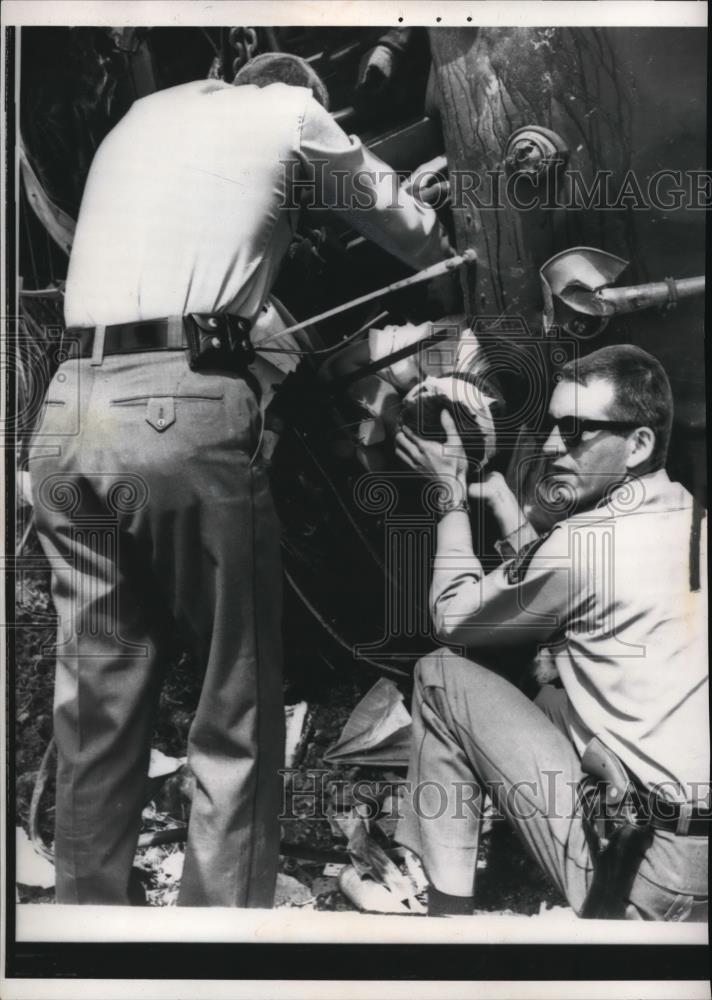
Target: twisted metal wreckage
[447,108]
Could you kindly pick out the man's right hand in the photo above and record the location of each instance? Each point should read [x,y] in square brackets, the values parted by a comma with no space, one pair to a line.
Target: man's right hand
[429,184]
[494,491]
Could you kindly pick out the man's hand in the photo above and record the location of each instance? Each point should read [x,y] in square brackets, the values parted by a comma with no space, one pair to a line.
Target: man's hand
[494,491]
[442,462]
[428,183]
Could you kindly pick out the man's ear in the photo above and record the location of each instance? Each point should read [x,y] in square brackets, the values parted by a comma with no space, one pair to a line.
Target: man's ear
[640,447]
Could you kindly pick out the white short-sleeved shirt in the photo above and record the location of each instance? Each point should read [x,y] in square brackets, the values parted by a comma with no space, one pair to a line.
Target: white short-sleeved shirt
[187,204]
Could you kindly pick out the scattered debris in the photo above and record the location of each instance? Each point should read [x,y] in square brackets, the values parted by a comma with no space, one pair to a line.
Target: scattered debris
[333,870]
[161,868]
[376,897]
[377,732]
[414,870]
[171,868]
[172,795]
[290,892]
[30,867]
[370,860]
[160,764]
[298,719]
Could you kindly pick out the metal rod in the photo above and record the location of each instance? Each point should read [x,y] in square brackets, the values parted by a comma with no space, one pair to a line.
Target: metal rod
[42,293]
[20,547]
[435,271]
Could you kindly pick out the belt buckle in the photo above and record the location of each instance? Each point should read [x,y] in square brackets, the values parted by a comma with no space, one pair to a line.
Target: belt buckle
[683,822]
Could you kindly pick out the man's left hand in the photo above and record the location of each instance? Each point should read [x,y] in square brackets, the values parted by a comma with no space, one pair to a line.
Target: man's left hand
[435,460]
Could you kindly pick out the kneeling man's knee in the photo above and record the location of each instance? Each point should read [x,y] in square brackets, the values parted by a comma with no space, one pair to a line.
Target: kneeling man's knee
[443,668]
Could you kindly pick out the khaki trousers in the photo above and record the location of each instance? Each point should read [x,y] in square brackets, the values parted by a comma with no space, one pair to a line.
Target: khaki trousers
[472,728]
[158,526]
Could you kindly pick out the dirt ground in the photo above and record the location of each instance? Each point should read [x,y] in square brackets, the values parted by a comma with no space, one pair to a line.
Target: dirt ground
[507,879]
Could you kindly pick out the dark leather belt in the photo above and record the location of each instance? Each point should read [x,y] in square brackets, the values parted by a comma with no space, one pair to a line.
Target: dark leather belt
[129,338]
[661,814]
[668,816]
[214,342]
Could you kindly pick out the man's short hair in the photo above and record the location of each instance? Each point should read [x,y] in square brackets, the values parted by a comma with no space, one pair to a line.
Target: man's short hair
[282,67]
[642,390]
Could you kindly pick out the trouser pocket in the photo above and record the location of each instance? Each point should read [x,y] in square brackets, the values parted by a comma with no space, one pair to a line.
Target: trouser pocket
[160,411]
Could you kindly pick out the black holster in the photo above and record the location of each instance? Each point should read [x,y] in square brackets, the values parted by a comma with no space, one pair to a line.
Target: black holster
[618,830]
[220,342]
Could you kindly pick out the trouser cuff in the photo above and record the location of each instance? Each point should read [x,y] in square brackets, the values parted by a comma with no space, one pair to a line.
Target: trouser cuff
[442,904]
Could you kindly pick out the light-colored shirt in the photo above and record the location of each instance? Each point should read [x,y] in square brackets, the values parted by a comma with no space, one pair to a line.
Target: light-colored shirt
[609,595]
[189,203]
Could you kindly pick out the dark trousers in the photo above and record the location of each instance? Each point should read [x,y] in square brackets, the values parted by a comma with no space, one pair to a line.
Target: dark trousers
[473,729]
[158,525]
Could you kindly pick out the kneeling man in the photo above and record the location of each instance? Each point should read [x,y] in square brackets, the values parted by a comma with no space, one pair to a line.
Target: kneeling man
[614,597]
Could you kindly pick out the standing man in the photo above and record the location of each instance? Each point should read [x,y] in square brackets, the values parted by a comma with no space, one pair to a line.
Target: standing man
[151,501]
[615,596]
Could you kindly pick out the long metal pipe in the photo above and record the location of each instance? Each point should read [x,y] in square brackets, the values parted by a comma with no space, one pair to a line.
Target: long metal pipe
[469,257]
[655,293]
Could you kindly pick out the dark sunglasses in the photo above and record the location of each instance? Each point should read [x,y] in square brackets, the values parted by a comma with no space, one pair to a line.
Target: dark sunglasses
[571,428]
